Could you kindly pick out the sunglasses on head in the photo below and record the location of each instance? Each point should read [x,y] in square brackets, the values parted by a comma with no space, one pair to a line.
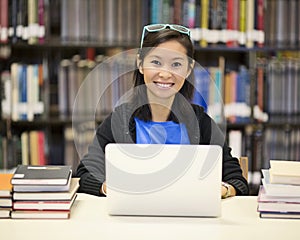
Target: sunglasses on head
[159,27]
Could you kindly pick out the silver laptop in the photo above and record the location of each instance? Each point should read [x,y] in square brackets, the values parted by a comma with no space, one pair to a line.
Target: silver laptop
[164,180]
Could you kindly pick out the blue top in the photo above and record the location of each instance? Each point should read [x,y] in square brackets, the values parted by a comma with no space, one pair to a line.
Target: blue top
[161,132]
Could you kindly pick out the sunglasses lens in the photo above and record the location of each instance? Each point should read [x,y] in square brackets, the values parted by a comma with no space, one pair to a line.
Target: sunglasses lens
[156,27]
[181,29]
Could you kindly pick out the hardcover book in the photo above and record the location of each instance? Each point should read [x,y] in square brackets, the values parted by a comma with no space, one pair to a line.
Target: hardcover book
[5,212]
[280,215]
[44,205]
[38,214]
[41,175]
[284,190]
[5,202]
[284,172]
[5,185]
[277,204]
[49,195]
[43,188]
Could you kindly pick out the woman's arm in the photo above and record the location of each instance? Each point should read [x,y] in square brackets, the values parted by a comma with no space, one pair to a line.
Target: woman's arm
[231,170]
[91,169]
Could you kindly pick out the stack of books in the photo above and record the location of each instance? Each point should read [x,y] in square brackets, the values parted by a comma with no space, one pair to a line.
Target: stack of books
[279,194]
[43,192]
[5,195]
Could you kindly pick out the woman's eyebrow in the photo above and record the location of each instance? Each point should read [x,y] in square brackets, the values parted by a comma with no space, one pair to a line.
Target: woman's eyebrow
[174,58]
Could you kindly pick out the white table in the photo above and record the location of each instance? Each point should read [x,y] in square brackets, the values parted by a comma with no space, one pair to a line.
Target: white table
[89,220]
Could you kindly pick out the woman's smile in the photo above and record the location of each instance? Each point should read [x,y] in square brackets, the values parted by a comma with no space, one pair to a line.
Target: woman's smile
[164,85]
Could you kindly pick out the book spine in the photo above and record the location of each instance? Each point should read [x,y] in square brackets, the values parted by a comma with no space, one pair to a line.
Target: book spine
[41,21]
[260,26]
[25,148]
[6,96]
[250,24]
[244,21]
[204,22]
[33,26]
[41,148]
[156,11]
[281,30]
[64,24]
[166,11]
[22,81]
[4,21]
[230,34]
[292,22]
[177,17]
[14,19]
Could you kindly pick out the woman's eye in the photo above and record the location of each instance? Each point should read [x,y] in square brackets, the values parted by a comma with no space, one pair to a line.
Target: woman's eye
[177,64]
[155,62]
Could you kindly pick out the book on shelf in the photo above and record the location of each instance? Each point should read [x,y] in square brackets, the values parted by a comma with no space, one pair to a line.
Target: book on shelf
[275,189]
[4,23]
[66,195]
[250,10]
[41,175]
[284,172]
[260,23]
[27,88]
[204,22]
[44,205]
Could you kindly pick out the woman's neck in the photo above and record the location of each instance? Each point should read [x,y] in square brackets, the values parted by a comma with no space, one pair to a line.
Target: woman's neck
[160,107]
[159,112]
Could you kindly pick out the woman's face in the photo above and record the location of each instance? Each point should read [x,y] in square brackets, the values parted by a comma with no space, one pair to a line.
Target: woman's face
[165,69]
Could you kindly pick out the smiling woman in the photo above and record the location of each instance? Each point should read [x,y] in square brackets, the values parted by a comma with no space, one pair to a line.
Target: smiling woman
[166,66]
[165,69]
[160,111]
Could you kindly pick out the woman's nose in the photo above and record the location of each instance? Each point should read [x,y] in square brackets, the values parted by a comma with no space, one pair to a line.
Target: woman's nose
[165,73]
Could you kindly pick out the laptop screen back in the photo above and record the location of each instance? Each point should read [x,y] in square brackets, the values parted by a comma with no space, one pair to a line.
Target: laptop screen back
[164,180]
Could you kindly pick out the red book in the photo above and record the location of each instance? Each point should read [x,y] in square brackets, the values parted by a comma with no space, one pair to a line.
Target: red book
[232,23]
[4,21]
[260,22]
[41,148]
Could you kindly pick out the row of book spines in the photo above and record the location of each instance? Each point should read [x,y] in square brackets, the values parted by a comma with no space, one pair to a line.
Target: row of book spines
[28,148]
[260,146]
[278,79]
[234,88]
[242,22]
[189,7]
[23,20]
[23,92]
[218,93]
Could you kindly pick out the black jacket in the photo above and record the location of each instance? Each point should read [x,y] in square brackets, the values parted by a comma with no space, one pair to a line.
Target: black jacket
[119,127]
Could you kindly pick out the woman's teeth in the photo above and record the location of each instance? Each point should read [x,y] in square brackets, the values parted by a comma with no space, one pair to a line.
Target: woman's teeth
[164,85]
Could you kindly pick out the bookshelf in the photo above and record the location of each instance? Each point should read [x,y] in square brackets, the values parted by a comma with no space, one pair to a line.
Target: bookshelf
[62,37]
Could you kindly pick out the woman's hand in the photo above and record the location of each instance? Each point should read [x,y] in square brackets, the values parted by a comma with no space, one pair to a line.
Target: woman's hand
[103,189]
[227,190]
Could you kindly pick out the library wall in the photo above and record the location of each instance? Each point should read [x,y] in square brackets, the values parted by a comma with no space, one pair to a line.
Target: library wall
[248,51]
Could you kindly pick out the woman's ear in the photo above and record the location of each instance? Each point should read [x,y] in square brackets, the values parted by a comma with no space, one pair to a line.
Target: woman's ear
[139,64]
[191,67]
